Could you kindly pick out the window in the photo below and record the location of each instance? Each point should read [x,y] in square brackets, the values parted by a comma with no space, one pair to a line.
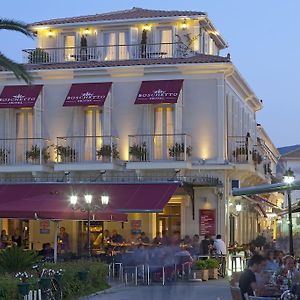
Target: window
[117,45]
[165,41]
[164,130]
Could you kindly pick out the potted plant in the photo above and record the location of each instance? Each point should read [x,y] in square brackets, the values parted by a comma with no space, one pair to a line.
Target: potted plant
[144,44]
[108,152]
[33,155]
[23,285]
[212,266]
[138,152]
[3,156]
[177,151]
[256,157]
[38,56]
[66,153]
[83,48]
[200,270]
[240,154]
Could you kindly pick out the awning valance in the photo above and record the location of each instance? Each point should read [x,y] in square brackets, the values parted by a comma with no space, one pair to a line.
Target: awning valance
[51,201]
[19,96]
[159,91]
[84,94]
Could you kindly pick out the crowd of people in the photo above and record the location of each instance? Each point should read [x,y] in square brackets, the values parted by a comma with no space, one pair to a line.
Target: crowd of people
[5,240]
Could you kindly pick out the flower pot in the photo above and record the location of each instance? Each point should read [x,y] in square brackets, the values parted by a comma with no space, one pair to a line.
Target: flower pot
[213,273]
[200,274]
[45,283]
[83,275]
[23,288]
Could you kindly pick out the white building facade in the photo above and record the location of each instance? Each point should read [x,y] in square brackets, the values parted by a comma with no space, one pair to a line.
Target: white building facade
[138,96]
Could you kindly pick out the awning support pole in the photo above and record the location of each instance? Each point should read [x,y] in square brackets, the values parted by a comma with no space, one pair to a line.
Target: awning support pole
[55,240]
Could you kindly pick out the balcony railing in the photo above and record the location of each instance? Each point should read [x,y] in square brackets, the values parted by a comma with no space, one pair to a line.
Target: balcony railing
[240,149]
[79,149]
[159,147]
[33,151]
[105,53]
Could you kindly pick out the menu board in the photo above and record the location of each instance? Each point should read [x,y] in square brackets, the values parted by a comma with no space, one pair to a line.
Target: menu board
[207,221]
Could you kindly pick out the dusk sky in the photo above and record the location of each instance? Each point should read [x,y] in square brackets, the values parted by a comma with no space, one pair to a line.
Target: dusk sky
[262,36]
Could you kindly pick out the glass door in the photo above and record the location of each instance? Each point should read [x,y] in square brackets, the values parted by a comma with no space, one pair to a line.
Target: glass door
[69,47]
[116,45]
[166,42]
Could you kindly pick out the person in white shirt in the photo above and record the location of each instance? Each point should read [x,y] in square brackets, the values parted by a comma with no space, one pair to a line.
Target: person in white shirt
[219,246]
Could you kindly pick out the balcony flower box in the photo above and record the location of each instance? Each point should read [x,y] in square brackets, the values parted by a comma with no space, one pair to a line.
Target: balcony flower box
[108,152]
[33,155]
[177,151]
[256,157]
[200,271]
[240,154]
[66,154]
[4,153]
[138,152]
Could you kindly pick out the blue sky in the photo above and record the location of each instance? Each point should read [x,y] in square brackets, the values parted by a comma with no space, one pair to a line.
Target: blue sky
[263,38]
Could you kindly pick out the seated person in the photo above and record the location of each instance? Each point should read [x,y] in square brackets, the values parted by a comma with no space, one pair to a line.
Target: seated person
[247,282]
[144,239]
[47,251]
[116,237]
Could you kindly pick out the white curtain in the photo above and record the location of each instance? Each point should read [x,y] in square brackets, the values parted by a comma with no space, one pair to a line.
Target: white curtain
[109,51]
[165,36]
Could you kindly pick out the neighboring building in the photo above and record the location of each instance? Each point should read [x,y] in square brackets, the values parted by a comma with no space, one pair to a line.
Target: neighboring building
[137,96]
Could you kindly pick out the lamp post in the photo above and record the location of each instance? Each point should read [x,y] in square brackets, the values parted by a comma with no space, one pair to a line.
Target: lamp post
[288,178]
[87,206]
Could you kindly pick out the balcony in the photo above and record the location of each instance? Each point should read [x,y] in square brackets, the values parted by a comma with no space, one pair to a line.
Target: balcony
[163,151]
[106,53]
[24,155]
[83,153]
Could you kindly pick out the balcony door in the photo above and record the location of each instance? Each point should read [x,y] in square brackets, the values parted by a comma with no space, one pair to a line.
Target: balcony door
[92,132]
[69,41]
[164,116]
[116,45]
[166,41]
[24,134]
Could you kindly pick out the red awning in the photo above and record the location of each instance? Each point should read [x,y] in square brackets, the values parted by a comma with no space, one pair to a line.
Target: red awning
[159,91]
[51,201]
[83,94]
[18,96]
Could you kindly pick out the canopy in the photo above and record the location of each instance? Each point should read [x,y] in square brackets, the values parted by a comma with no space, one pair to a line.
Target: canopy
[159,91]
[19,96]
[51,200]
[84,94]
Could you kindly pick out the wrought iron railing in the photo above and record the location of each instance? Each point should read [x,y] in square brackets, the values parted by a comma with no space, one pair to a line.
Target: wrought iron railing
[36,151]
[240,149]
[160,147]
[78,149]
[105,53]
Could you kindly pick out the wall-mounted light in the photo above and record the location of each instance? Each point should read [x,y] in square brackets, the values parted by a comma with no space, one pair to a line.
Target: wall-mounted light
[87,31]
[147,27]
[184,25]
[238,207]
[50,33]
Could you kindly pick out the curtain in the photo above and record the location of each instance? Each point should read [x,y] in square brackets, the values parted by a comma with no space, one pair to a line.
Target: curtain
[166,37]
[109,51]
[158,130]
[125,47]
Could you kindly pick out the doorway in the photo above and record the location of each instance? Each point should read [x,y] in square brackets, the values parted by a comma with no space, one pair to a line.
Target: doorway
[169,220]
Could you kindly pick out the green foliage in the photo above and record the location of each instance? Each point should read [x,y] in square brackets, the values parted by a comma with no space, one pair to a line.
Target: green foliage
[178,149]
[38,56]
[15,259]
[138,152]
[8,287]
[200,265]
[212,263]
[66,153]
[72,286]
[34,154]
[107,151]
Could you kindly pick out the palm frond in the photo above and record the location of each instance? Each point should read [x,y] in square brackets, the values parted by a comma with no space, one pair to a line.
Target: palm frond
[19,71]
[16,26]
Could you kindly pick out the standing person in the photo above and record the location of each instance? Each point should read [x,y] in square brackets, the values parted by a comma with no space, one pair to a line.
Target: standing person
[3,239]
[63,240]
[106,236]
[195,245]
[206,245]
[219,246]
[16,238]
[165,240]
[247,282]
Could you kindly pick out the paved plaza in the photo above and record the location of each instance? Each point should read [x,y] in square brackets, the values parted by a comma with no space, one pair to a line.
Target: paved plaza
[211,290]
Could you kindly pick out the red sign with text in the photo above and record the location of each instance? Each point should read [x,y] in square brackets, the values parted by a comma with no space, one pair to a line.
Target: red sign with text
[207,221]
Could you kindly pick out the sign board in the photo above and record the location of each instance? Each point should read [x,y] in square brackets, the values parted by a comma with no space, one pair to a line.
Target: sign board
[136,226]
[207,221]
[44,227]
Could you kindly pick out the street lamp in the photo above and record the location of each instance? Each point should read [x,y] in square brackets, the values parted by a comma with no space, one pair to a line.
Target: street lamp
[87,206]
[288,178]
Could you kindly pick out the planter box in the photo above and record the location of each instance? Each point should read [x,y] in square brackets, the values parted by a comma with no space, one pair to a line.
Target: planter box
[200,274]
[213,273]
[24,288]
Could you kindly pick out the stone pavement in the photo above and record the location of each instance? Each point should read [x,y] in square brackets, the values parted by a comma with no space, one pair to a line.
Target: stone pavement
[211,290]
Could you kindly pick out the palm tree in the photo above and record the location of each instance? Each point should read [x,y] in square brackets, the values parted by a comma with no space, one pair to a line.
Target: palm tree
[8,64]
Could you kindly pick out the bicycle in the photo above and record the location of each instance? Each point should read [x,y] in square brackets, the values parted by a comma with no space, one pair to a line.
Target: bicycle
[51,291]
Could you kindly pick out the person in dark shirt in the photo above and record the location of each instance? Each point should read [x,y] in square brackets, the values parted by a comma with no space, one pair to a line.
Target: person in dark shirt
[247,282]
[144,239]
[206,245]
[116,237]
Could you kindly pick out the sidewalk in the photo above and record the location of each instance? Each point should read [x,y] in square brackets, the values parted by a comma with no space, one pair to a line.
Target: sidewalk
[211,290]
